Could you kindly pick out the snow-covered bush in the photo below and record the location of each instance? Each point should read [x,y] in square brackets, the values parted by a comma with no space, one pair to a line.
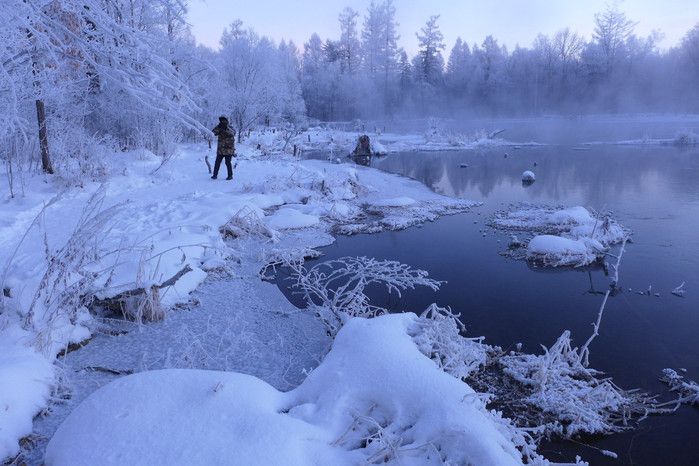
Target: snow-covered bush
[439,334]
[247,223]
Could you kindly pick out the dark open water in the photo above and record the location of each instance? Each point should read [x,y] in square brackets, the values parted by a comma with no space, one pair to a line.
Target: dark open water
[652,190]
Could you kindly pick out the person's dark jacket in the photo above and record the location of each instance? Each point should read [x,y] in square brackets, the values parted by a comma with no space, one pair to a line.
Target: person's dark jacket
[226,140]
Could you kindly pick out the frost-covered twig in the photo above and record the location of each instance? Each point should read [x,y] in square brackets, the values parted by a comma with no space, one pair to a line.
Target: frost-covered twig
[585,349]
[438,334]
[335,289]
[688,391]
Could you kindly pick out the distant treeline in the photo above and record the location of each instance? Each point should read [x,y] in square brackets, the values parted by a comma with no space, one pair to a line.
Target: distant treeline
[366,73]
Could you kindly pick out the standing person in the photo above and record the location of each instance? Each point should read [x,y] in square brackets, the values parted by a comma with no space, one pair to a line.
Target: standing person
[225,149]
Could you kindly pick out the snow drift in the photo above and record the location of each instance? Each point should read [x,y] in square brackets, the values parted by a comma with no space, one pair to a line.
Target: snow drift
[375,398]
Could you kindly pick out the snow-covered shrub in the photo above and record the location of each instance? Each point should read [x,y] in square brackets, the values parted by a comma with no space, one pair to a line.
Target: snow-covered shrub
[334,290]
[572,398]
[80,157]
[57,311]
[17,155]
[438,333]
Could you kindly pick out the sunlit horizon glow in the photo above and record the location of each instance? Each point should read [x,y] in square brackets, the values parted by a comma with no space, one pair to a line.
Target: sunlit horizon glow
[511,22]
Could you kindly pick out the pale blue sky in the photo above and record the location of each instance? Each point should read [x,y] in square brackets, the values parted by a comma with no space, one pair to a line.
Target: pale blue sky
[510,21]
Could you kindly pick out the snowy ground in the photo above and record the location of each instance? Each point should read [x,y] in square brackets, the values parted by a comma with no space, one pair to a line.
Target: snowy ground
[144,226]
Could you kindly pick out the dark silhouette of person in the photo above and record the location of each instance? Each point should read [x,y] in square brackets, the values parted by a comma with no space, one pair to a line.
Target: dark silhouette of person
[225,148]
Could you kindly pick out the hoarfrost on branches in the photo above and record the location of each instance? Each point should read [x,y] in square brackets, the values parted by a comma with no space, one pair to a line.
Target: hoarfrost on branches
[334,290]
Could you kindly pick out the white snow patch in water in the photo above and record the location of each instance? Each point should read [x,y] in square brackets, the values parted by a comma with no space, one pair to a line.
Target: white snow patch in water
[567,237]
[558,251]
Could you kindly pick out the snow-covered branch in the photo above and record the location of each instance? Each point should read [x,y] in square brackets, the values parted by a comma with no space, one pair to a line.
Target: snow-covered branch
[335,290]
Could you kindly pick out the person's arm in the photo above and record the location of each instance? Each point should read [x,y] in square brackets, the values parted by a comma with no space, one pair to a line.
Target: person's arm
[216,130]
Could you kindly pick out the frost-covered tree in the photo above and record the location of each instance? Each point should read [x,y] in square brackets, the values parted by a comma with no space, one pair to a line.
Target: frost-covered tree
[612,31]
[380,54]
[349,46]
[429,61]
[371,39]
[459,68]
[91,70]
[258,80]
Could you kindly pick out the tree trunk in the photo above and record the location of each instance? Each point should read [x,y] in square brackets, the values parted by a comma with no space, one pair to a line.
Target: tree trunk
[43,137]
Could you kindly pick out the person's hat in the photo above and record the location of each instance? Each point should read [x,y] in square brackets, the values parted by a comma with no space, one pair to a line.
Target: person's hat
[222,118]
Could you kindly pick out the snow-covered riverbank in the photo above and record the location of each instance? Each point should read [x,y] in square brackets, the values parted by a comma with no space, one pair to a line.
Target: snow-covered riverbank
[143,227]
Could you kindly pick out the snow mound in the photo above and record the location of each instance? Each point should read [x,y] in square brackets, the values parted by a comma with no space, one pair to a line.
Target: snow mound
[378,149]
[557,251]
[26,378]
[375,398]
[290,219]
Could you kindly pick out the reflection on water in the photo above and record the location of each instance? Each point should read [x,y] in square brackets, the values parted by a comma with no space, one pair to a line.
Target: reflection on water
[652,190]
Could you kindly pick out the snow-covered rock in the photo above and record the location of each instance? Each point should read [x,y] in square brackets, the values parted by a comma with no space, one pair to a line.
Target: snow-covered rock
[528,176]
[374,398]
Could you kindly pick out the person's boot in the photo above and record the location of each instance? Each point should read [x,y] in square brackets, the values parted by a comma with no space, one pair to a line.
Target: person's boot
[213,177]
[229,178]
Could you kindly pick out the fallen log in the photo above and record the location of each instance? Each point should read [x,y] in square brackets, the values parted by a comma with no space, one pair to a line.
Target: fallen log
[140,303]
